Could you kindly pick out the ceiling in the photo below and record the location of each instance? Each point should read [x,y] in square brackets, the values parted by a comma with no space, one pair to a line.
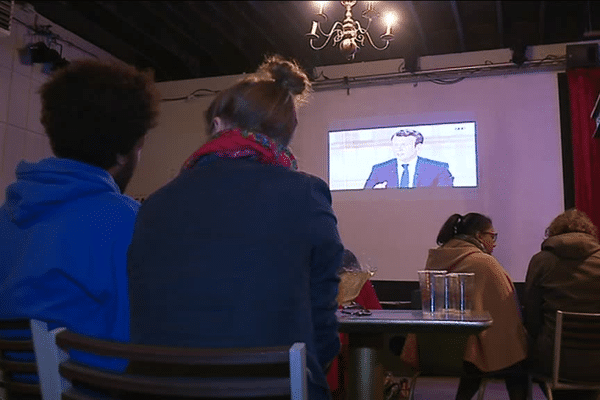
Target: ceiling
[196,39]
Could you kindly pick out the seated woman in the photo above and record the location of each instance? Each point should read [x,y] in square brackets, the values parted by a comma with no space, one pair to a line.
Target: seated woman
[465,245]
[564,275]
[355,291]
[241,249]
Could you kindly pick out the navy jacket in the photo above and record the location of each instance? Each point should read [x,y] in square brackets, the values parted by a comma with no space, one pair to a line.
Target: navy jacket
[427,173]
[233,253]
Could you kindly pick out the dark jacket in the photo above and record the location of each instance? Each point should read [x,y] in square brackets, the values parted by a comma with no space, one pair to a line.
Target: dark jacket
[565,276]
[237,253]
[427,173]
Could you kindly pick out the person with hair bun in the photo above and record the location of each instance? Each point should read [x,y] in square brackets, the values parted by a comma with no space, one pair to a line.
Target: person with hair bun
[564,275]
[241,249]
[466,243]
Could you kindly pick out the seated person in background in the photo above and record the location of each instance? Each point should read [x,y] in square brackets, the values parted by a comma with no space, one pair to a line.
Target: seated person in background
[66,225]
[564,275]
[465,245]
[415,172]
[355,291]
[355,284]
[241,249]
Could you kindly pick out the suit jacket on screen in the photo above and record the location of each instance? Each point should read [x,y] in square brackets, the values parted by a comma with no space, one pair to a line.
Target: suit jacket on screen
[427,173]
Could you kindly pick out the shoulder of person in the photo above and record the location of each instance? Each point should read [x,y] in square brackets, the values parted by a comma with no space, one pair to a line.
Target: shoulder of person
[429,161]
[314,181]
[116,207]
[386,163]
[486,262]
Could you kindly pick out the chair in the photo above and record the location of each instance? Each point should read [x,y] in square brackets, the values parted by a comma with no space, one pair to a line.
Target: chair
[579,332]
[17,357]
[441,354]
[157,372]
[48,356]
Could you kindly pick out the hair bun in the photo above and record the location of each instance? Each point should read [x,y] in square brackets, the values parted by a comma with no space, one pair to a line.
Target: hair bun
[287,74]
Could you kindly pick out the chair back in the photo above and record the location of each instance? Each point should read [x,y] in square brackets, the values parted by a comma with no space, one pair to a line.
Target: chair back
[17,360]
[48,357]
[174,372]
[576,333]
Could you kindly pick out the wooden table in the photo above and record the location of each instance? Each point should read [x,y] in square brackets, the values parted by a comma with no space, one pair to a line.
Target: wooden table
[366,338]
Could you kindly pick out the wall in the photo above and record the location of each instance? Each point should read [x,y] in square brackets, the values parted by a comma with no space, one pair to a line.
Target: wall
[519,151]
[21,133]
[518,144]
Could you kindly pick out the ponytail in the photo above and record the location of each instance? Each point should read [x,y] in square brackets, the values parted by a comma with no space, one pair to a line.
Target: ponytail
[456,224]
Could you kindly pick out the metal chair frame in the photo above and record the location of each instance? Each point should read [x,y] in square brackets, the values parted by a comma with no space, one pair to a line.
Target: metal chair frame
[574,330]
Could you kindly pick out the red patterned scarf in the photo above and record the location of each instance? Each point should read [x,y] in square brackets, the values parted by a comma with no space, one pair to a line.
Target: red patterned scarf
[237,143]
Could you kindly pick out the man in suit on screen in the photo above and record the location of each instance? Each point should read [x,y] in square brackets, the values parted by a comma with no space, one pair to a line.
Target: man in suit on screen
[414,171]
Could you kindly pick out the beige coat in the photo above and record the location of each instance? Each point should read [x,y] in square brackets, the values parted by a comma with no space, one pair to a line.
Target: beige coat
[505,342]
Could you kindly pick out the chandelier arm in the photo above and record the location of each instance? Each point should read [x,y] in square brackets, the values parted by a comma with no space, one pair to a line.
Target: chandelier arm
[387,42]
[368,24]
[335,29]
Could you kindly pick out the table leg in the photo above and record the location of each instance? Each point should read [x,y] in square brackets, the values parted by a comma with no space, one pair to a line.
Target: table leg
[365,372]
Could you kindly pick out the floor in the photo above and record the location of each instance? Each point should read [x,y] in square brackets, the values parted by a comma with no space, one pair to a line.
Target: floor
[430,388]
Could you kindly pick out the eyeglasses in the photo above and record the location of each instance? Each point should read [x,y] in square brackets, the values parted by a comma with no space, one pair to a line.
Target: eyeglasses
[494,235]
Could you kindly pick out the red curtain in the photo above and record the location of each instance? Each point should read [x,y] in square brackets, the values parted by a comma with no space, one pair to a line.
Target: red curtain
[584,86]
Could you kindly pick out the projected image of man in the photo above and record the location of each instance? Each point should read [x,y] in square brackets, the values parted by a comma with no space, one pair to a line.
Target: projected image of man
[414,171]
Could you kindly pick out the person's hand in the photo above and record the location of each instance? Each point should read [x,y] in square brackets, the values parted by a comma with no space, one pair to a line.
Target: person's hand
[380,185]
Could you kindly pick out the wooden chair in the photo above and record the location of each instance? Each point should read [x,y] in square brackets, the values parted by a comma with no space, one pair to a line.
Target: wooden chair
[574,332]
[157,372]
[9,366]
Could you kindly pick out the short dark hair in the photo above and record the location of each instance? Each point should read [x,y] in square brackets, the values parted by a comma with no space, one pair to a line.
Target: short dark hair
[264,102]
[93,110]
[409,132]
[572,220]
[457,224]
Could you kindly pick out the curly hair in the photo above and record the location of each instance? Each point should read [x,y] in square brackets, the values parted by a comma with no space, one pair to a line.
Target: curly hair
[572,220]
[93,111]
[264,102]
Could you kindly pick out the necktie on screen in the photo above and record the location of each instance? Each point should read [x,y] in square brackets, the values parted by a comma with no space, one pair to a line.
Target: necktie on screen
[404,177]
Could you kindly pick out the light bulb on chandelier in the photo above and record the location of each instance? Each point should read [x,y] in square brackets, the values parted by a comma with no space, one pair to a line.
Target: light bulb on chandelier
[349,34]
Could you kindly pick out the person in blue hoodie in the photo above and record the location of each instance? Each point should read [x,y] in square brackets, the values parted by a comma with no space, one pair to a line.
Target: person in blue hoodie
[65,225]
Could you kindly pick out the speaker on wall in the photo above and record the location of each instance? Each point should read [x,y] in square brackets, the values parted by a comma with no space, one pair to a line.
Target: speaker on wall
[582,55]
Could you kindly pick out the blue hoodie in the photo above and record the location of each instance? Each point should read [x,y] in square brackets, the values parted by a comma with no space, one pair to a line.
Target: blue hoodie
[65,229]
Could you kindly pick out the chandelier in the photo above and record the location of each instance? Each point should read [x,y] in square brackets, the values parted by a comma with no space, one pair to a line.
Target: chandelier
[350,34]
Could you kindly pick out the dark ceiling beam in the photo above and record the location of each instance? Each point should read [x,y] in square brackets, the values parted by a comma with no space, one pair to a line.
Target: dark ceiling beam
[459,26]
[272,12]
[542,22]
[167,43]
[223,52]
[417,22]
[164,11]
[231,30]
[245,19]
[500,22]
[64,15]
